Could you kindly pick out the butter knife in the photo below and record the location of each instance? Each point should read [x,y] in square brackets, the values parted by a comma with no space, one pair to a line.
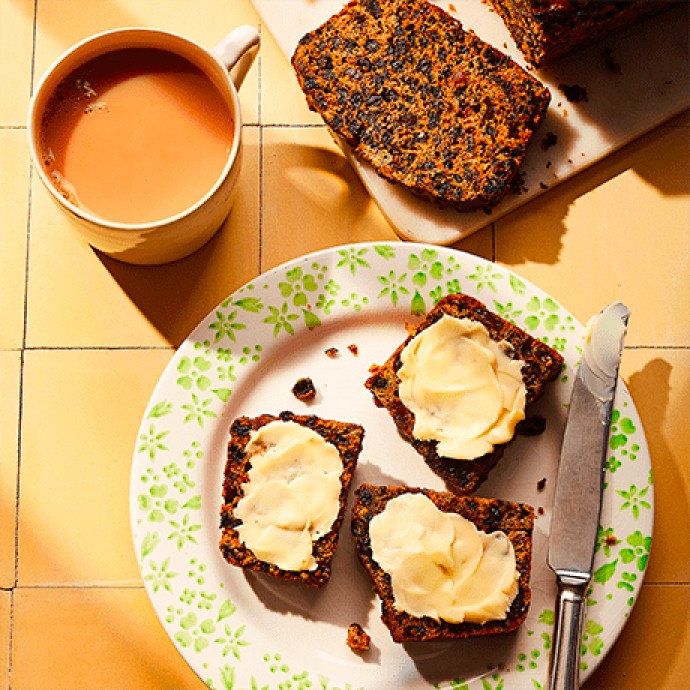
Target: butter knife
[579,487]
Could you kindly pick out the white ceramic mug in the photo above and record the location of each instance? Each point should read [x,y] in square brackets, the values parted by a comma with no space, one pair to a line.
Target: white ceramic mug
[179,235]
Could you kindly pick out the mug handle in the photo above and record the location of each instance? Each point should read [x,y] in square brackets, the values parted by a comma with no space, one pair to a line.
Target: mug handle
[236,52]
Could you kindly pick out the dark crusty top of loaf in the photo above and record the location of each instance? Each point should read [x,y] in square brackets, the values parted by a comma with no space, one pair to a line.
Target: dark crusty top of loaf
[427,104]
[544,30]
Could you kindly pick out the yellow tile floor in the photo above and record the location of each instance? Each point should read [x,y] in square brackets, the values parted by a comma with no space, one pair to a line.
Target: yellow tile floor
[83,339]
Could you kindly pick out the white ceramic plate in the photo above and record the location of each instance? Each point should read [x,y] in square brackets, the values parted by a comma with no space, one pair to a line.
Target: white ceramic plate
[241,630]
[652,86]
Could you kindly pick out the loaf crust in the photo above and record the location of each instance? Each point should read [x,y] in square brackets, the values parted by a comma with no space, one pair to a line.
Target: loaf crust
[430,106]
[488,515]
[544,30]
[346,437]
[542,364]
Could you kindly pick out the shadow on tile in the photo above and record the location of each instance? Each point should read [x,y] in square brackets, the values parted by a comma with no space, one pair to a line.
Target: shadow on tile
[653,660]
[175,297]
[659,158]
[534,233]
[334,187]
[671,559]
[312,199]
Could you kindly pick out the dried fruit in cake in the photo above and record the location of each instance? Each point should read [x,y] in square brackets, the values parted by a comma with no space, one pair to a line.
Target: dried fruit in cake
[285,487]
[429,105]
[460,569]
[460,384]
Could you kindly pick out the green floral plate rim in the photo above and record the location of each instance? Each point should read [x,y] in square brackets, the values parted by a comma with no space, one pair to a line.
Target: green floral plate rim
[330,315]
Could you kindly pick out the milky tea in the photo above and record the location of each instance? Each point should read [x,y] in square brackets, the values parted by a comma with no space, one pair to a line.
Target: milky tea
[136,135]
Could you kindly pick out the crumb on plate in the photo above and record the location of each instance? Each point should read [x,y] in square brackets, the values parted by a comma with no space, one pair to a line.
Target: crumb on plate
[357,639]
[532,425]
[574,92]
[549,140]
[304,389]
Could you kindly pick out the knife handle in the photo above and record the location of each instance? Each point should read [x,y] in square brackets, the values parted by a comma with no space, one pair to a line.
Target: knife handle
[567,636]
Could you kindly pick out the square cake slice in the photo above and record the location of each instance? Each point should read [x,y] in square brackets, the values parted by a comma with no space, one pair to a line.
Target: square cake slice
[540,365]
[427,104]
[285,489]
[490,516]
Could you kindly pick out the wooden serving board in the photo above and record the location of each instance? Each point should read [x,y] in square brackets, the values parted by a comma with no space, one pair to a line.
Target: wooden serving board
[651,85]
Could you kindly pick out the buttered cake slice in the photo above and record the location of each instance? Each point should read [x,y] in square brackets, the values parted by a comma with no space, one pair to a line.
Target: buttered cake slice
[460,384]
[286,483]
[444,566]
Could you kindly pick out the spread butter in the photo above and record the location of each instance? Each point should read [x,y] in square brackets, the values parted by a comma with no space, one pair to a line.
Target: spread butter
[463,388]
[441,565]
[292,496]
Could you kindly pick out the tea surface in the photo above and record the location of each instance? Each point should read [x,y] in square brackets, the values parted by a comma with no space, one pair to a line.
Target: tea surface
[136,135]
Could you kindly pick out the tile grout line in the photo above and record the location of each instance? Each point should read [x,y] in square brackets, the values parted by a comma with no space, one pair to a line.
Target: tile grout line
[20,416]
[90,585]
[261,200]
[141,586]
[261,152]
[173,348]
[657,347]
[101,348]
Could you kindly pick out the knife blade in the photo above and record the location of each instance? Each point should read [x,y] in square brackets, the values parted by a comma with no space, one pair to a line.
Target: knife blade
[579,486]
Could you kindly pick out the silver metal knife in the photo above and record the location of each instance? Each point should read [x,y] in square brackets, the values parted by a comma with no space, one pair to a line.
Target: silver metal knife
[579,487]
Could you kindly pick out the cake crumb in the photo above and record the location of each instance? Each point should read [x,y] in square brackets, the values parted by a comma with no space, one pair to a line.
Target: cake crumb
[518,186]
[353,349]
[610,62]
[532,425]
[549,140]
[331,352]
[357,639]
[574,92]
[304,389]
